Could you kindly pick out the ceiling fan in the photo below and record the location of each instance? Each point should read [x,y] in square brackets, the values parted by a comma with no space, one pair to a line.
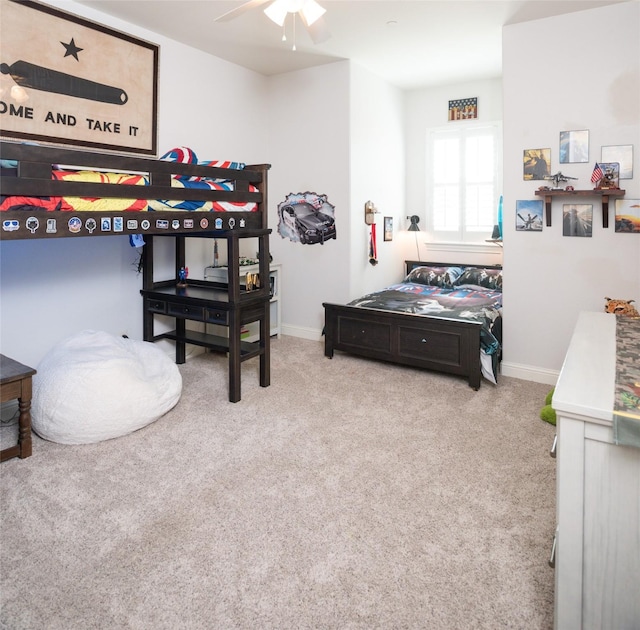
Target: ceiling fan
[309,12]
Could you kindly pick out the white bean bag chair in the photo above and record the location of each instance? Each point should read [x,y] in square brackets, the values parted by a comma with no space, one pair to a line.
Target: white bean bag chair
[94,386]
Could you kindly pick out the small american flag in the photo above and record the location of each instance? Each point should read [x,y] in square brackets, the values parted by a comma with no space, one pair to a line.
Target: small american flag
[597,174]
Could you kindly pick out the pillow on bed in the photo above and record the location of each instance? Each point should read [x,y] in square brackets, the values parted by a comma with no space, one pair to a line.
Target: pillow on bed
[185,155]
[443,277]
[481,277]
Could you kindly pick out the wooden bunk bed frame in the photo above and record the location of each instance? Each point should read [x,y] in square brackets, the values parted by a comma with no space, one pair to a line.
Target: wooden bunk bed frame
[230,305]
[422,341]
[33,179]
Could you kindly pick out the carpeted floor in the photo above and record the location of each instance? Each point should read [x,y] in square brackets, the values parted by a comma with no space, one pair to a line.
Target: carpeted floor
[348,494]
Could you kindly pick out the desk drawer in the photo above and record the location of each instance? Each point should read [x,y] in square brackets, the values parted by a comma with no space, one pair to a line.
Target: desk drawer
[156,306]
[185,311]
[215,316]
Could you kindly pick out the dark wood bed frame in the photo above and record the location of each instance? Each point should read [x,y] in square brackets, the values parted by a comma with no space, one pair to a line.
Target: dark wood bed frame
[423,341]
[230,305]
[33,179]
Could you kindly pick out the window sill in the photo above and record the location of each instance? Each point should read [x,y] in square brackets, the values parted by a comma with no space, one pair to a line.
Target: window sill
[469,248]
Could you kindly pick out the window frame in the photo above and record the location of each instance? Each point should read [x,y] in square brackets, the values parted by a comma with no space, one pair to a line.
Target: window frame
[462,131]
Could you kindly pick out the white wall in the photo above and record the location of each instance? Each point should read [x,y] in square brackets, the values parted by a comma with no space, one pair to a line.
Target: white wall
[377,168]
[588,77]
[53,288]
[425,109]
[336,130]
[309,152]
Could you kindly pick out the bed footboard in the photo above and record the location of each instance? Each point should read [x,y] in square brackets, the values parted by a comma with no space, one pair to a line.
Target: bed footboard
[431,343]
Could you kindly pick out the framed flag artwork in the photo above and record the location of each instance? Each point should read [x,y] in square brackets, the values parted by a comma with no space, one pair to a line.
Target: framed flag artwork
[67,80]
[463,109]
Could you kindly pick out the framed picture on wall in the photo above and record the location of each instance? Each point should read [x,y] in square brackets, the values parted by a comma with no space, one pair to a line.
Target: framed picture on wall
[628,216]
[463,109]
[529,215]
[536,164]
[388,228]
[72,81]
[574,146]
[577,219]
[623,155]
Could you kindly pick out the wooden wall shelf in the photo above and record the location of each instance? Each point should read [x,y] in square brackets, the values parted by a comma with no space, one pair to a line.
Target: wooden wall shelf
[604,193]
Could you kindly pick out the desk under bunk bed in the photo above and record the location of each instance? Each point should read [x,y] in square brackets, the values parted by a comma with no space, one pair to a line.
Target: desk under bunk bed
[50,192]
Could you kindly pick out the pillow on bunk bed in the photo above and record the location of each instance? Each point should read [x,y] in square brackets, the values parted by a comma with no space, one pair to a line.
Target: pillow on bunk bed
[443,277]
[185,155]
[94,386]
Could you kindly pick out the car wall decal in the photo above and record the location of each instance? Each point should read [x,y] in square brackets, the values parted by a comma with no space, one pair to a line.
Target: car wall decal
[306,218]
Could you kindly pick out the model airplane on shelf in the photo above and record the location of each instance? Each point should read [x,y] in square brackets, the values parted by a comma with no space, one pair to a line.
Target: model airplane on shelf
[559,178]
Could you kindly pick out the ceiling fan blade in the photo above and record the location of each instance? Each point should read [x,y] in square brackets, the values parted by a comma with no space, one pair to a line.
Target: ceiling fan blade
[243,8]
[318,31]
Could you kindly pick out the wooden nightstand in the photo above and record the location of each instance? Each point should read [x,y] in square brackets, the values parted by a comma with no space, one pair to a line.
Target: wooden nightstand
[15,382]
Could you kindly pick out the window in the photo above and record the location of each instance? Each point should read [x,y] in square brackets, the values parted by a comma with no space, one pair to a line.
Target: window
[464,166]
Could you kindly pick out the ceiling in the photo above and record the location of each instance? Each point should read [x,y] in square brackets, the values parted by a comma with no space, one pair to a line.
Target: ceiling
[409,43]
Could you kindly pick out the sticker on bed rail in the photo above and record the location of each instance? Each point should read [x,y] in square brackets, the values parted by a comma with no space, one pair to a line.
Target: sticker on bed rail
[132,224]
[188,224]
[145,224]
[175,224]
[52,226]
[10,225]
[204,223]
[105,224]
[218,224]
[118,224]
[306,218]
[162,224]
[75,225]
[90,224]
[232,223]
[32,224]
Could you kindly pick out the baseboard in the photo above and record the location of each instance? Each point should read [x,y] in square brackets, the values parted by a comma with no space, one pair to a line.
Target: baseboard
[313,334]
[529,373]
[513,370]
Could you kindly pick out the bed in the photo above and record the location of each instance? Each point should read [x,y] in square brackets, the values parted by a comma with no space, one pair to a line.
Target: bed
[443,317]
[50,192]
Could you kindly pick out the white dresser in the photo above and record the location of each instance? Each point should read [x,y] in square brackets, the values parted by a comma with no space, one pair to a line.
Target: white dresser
[597,547]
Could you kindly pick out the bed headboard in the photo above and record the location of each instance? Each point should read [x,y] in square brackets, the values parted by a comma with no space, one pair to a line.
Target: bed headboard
[412,264]
[32,177]
[452,275]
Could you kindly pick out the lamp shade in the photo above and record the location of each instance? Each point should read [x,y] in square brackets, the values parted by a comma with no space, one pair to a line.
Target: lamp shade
[415,219]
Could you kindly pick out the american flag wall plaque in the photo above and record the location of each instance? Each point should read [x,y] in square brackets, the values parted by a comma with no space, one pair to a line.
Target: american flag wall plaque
[463,109]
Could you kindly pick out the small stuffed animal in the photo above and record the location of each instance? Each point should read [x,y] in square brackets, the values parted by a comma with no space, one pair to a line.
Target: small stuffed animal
[621,307]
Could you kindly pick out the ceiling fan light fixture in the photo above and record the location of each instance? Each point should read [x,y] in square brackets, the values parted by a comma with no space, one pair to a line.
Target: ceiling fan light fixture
[277,11]
[309,10]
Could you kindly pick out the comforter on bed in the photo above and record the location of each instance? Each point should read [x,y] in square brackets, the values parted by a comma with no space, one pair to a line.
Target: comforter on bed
[92,204]
[462,303]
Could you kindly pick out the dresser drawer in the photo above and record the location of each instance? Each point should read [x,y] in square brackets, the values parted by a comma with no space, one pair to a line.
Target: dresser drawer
[216,316]
[185,311]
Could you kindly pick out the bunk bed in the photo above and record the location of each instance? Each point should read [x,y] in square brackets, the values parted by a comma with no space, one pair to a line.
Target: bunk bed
[442,317]
[51,192]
